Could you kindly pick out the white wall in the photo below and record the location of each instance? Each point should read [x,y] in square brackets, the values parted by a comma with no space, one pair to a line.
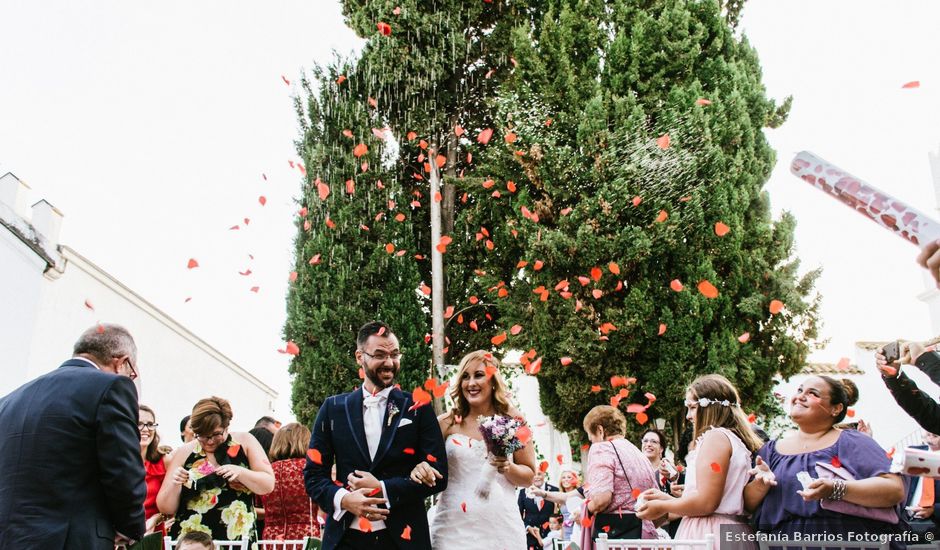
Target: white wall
[20,289]
[176,368]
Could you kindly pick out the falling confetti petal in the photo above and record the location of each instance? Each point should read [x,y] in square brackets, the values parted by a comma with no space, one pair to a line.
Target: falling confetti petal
[315,456]
[716,467]
[912,84]
[406,533]
[721,229]
[676,285]
[485,136]
[707,289]
[192,264]
[89,305]
[663,141]
[662,216]
[702,101]
[565,361]
[515,330]
[662,329]
[843,363]
[775,306]
[384,28]
[836,462]
[322,189]
[744,337]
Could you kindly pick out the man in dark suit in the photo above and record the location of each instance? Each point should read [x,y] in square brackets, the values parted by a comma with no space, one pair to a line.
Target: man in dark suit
[375,435]
[536,511]
[72,475]
[922,514]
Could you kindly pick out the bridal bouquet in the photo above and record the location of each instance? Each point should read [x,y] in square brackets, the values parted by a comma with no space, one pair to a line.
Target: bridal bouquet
[503,436]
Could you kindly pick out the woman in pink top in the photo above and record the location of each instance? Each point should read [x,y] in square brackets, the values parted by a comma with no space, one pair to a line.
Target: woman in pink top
[616,473]
[718,464]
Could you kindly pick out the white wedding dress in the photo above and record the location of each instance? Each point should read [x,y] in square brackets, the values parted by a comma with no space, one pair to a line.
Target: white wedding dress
[461,519]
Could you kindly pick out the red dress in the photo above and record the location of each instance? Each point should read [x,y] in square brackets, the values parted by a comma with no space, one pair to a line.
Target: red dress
[156,471]
[289,514]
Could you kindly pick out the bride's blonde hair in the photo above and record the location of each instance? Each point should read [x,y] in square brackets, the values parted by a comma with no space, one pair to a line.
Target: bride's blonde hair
[500,393]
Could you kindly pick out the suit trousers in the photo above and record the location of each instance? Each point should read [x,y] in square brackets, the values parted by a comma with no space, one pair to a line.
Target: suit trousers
[357,540]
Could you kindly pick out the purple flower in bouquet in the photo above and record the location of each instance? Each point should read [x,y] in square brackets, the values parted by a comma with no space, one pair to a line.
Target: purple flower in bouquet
[503,436]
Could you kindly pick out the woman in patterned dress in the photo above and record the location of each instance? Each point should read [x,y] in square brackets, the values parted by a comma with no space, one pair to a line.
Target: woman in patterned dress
[212,480]
[289,512]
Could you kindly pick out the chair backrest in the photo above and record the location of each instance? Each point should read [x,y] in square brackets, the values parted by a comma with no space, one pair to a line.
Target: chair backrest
[281,544]
[170,544]
[604,543]
[823,545]
[558,544]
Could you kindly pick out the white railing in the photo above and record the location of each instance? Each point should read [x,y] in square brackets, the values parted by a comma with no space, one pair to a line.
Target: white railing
[603,543]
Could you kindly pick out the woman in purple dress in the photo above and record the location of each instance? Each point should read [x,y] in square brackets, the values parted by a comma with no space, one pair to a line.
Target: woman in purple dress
[784,506]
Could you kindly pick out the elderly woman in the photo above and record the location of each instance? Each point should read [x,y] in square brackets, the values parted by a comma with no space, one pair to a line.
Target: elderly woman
[211,481]
[616,471]
[846,488]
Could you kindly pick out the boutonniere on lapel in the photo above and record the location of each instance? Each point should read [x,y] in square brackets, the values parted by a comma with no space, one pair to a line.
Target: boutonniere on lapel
[392,411]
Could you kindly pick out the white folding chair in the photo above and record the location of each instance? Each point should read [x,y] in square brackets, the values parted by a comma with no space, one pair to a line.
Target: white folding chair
[170,544]
[558,544]
[604,543]
[281,544]
[822,545]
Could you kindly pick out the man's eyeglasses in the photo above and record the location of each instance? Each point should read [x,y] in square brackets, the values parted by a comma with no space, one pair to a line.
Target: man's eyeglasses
[218,436]
[129,370]
[150,426]
[381,357]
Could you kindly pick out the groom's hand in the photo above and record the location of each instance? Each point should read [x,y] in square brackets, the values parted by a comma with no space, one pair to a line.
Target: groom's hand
[363,480]
[359,503]
[425,474]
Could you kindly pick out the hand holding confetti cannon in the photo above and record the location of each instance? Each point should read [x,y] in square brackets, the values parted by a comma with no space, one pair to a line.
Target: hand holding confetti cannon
[880,207]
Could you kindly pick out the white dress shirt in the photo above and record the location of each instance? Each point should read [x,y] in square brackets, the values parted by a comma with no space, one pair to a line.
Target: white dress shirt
[373,413]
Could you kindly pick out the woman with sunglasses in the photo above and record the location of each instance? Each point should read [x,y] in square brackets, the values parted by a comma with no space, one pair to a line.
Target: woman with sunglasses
[213,479]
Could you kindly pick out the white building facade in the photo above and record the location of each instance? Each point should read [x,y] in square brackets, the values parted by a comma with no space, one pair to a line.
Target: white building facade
[44,288]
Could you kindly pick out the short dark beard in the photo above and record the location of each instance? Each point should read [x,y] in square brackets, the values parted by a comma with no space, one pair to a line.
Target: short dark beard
[373,377]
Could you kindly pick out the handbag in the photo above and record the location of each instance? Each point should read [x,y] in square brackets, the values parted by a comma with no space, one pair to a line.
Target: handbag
[825,470]
[618,525]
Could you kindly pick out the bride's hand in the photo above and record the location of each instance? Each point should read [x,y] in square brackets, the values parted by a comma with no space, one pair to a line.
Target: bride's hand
[501,463]
[423,473]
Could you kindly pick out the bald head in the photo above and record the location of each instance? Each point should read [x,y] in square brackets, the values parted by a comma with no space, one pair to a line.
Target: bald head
[103,342]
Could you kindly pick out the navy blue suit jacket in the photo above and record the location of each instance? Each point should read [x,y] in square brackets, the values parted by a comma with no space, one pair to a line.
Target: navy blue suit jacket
[533,516]
[70,461]
[339,436]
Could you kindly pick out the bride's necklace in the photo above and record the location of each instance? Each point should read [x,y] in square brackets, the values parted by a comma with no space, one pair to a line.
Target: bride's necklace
[806,444]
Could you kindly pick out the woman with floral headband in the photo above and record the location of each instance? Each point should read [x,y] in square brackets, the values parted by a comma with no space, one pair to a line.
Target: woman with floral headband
[718,462]
[211,481]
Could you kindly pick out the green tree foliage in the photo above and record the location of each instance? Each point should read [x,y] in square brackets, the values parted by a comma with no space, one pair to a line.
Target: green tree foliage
[622,133]
[638,128]
[354,261]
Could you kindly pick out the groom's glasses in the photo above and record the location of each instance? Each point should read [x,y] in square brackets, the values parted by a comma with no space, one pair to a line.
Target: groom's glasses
[381,356]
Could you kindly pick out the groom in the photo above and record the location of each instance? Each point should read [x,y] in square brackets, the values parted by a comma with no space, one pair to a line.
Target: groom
[375,436]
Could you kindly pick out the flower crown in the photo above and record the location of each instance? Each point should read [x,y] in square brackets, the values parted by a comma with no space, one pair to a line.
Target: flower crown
[704,402]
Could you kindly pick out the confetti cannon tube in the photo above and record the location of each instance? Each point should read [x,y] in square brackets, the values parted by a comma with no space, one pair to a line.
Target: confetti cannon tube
[873,203]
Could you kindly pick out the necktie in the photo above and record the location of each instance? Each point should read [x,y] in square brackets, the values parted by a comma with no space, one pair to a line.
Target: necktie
[372,422]
[927,492]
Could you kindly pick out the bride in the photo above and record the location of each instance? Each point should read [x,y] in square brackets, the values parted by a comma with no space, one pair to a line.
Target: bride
[463,518]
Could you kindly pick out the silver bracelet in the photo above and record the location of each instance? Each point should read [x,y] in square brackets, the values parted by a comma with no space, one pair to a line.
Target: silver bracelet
[838,490]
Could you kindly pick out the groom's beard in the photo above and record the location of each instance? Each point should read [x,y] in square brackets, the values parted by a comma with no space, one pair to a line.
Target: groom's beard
[373,376]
